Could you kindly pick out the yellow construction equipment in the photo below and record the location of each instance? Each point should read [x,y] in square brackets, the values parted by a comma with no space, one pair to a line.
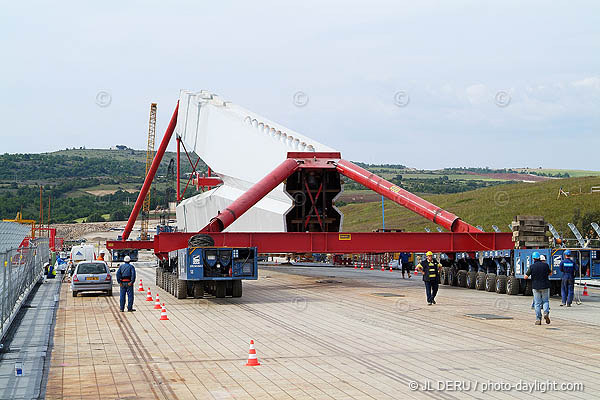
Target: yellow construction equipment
[149,157]
[19,219]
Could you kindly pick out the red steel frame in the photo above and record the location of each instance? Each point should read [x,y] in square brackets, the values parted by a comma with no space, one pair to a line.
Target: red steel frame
[462,238]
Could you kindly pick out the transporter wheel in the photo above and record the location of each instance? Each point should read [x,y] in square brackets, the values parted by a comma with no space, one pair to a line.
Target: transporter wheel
[229,289]
[528,291]
[201,240]
[237,288]
[156,280]
[198,290]
[490,282]
[501,284]
[181,288]
[190,289]
[480,281]
[512,286]
[461,278]
[471,279]
[452,278]
[444,276]
[220,289]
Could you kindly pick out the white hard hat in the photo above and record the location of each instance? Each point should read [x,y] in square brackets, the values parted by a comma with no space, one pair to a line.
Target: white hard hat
[127,259]
[543,257]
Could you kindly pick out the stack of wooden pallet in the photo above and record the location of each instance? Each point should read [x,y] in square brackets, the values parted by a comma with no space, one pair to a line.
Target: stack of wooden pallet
[529,232]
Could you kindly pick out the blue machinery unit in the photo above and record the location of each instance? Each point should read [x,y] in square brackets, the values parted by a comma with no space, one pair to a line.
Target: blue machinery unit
[218,263]
[218,271]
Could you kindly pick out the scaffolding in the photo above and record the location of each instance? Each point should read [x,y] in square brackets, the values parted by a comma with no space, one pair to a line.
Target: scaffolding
[149,157]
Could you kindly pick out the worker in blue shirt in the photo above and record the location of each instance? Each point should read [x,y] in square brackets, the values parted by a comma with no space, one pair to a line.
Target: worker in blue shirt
[126,278]
[539,272]
[567,286]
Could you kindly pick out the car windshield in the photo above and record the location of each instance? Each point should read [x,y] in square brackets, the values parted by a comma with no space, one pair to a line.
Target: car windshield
[91,268]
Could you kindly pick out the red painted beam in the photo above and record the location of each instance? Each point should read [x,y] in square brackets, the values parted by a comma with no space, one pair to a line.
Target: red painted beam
[404,198]
[207,181]
[333,242]
[151,172]
[252,196]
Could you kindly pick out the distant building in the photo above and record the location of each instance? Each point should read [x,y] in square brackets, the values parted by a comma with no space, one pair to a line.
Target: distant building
[121,147]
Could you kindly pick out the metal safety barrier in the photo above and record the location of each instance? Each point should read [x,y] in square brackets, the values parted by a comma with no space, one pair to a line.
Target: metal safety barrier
[21,268]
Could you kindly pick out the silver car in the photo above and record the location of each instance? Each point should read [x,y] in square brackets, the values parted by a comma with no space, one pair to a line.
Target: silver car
[91,276]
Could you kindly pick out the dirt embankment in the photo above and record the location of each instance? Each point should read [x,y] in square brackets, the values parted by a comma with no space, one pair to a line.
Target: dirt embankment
[79,231]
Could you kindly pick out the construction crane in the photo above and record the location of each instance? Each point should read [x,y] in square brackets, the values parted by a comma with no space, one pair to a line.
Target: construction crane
[149,157]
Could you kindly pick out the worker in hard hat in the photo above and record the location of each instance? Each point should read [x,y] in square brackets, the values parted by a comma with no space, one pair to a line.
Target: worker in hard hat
[568,267]
[542,259]
[539,272]
[126,278]
[430,268]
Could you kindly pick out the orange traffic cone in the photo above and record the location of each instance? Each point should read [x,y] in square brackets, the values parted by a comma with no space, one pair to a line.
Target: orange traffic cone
[149,295]
[252,360]
[585,292]
[163,314]
[372,267]
[390,268]
[355,264]
[362,265]
[382,267]
[157,303]
[141,288]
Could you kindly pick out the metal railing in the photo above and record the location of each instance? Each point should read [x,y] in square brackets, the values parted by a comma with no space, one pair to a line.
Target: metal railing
[21,269]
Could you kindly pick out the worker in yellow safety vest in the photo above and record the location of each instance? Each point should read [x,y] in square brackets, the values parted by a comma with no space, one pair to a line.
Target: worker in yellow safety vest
[430,268]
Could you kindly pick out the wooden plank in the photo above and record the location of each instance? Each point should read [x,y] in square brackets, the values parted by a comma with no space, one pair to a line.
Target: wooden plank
[530,218]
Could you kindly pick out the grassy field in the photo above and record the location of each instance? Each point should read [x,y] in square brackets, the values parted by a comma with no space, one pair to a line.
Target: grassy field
[494,205]
[574,173]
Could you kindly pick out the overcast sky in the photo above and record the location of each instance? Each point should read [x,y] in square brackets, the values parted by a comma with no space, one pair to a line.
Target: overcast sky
[425,84]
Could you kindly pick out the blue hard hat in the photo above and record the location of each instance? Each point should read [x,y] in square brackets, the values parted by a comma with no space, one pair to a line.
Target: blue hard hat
[567,252]
[535,255]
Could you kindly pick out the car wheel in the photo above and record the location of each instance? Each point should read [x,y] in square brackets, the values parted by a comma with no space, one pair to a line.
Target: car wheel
[490,283]
[444,276]
[501,284]
[471,279]
[220,289]
[237,288]
[74,293]
[512,286]
[461,278]
[109,292]
[452,277]
[480,282]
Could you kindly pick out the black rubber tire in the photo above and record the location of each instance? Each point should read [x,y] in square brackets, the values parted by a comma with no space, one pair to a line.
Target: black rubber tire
[237,288]
[181,288]
[229,289]
[201,240]
[480,281]
[461,278]
[190,289]
[512,286]
[220,289]
[528,291]
[501,284]
[452,277]
[74,293]
[444,276]
[198,290]
[471,279]
[490,283]
[109,292]
[156,280]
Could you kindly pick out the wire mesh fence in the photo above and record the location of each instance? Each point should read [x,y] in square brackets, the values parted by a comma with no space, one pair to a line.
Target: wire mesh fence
[21,269]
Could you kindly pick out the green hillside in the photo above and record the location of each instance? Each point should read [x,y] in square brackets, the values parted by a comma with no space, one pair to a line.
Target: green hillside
[493,205]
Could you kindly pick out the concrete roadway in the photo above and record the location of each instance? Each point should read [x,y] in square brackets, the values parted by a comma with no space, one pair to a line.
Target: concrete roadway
[323,333]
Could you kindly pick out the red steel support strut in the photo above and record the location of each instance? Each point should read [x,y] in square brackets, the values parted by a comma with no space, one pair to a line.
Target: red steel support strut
[404,198]
[252,196]
[151,172]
